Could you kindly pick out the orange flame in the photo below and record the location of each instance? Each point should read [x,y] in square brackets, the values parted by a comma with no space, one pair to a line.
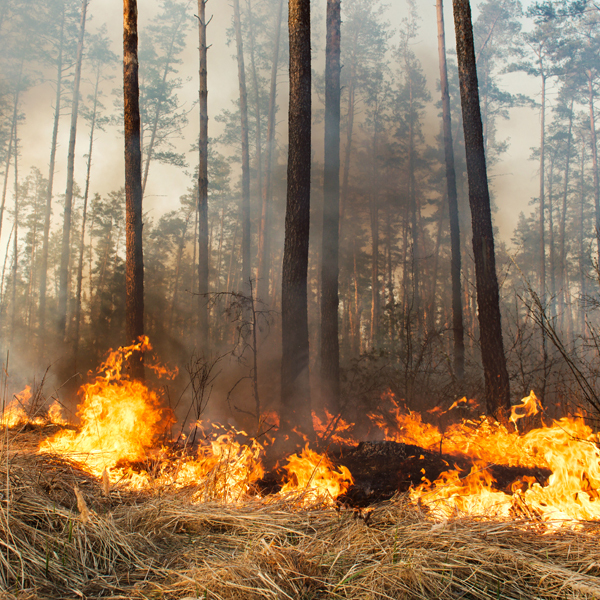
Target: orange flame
[315,478]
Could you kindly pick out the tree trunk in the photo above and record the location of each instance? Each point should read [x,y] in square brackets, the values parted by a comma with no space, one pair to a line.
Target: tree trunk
[257,115]
[15,268]
[374,214]
[497,390]
[48,214]
[245,149]
[552,252]
[9,152]
[582,277]
[562,231]
[264,246]
[77,323]
[66,234]
[203,249]
[594,157]
[134,266]
[295,389]
[455,268]
[542,194]
[330,345]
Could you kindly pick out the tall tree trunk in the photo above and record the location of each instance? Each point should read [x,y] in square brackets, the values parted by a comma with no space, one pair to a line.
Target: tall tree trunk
[295,388]
[134,266]
[582,277]
[264,246]
[11,139]
[374,214]
[66,234]
[562,226]
[497,390]
[77,323]
[13,319]
[257,114]
[330,345]
[48,214]
[542,193]
[455,265]
[245,149]
[203,248]
[552,252]
[412,199]
[594,156]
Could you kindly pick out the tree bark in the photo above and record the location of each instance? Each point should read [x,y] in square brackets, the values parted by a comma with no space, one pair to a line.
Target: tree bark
[330,345]
[264,238]
[134,266]
[66,234]
[497,390]
[455,264]
[203,248]
[245,149]
[295,389]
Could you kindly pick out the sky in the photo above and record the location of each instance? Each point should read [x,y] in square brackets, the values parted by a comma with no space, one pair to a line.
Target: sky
[514,178]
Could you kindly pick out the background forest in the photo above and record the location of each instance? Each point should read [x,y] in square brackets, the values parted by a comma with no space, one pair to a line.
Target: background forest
[62,252]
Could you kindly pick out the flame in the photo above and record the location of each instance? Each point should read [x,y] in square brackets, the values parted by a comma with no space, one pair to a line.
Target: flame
[14,413]
[529,406]
[315,478]
[20,412]
[119,418]
[568,448]
[342,430]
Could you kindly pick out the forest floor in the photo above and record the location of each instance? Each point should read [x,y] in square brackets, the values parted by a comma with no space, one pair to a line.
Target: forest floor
[62,536]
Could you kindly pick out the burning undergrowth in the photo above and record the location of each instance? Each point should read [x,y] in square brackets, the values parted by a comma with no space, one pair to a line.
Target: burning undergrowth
[113,507]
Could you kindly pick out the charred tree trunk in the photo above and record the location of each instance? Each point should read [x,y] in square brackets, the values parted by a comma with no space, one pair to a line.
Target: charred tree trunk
[245,149]
[134,266]
[203,248]
[66,234]
[77,323]
[48,215]
[552,252]
[455,268]
[295,389]
[264,245]
[497,390]
[374,214]
[330,345]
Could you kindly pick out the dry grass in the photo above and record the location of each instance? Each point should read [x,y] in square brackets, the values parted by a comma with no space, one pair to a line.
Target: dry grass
[161,545]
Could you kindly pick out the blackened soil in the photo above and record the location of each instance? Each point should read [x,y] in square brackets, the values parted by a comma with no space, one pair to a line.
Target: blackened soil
[383,469]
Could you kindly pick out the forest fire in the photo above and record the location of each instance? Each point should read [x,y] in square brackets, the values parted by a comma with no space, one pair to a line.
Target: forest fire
[121,439]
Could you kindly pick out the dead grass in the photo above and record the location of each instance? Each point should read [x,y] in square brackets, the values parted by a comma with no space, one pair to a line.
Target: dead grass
[164,546]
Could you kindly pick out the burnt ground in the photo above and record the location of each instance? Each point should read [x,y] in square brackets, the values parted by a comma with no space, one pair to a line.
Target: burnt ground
[383,469]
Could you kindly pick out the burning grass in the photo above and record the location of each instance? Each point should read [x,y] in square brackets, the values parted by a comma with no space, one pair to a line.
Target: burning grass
[105,510]
[138,544]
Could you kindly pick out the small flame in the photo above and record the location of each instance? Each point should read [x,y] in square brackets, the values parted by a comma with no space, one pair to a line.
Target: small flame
[314,476]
